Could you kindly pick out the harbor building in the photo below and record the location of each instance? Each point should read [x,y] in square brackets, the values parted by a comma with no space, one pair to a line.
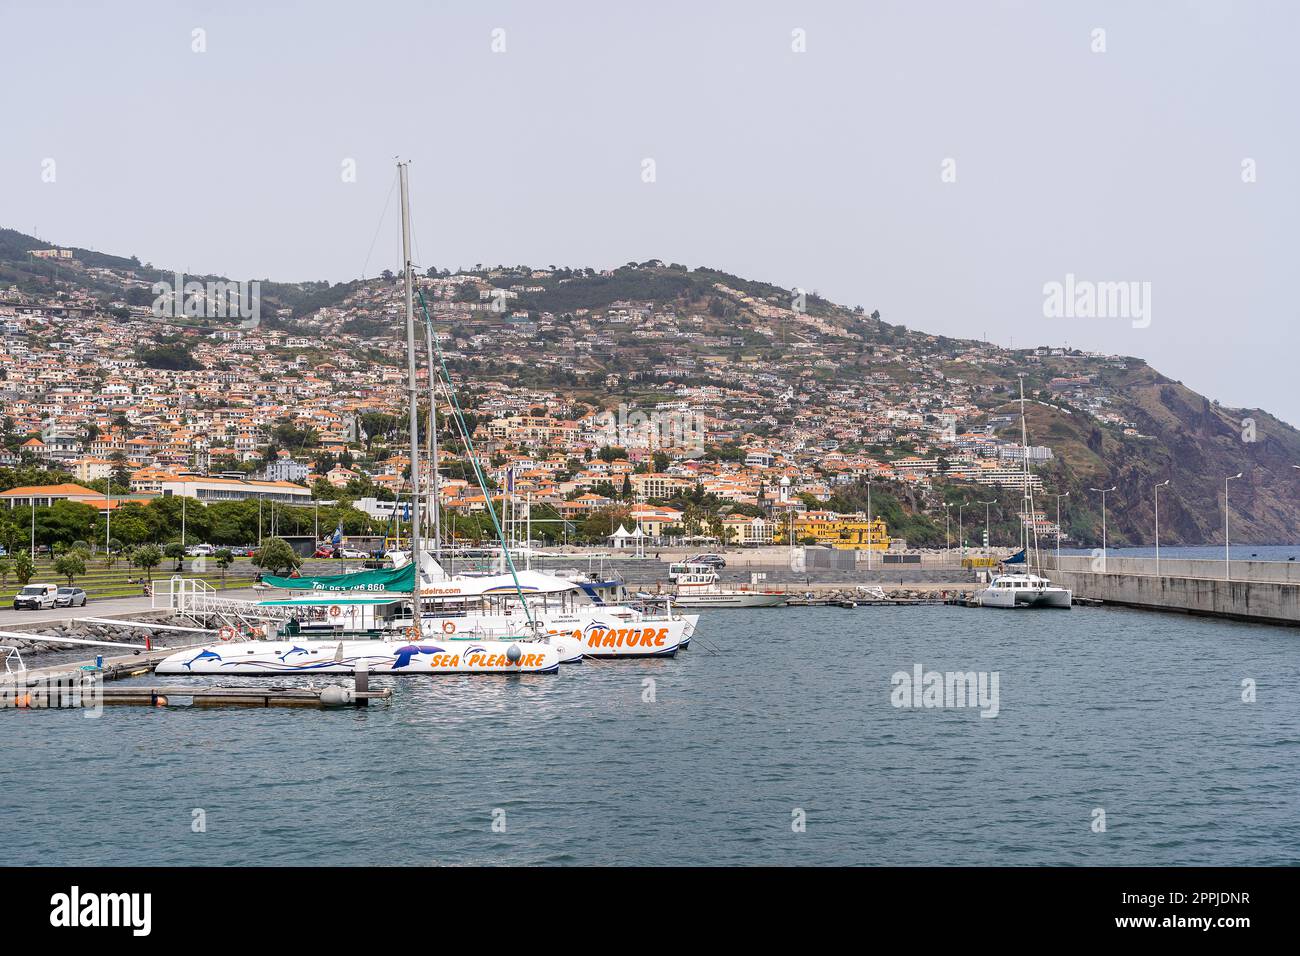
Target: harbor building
[851,532]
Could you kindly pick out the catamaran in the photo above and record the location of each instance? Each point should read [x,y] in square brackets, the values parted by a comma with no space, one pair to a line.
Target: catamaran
[413,618]
[411,653]
[574,614]
[1024,589]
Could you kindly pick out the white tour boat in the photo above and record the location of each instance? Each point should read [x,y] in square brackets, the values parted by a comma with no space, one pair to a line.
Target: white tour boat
[379,656]
[698,587]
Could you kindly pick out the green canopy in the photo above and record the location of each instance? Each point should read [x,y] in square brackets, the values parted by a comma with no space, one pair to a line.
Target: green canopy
[387,579]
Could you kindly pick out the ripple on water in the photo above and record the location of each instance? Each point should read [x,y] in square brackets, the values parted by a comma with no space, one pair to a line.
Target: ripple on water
[784,749]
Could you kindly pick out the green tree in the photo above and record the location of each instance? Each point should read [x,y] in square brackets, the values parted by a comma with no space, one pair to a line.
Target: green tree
[70,565]
[224,558]
[275,555]
[6,569]
[147,558]
[24,567]
[176,551]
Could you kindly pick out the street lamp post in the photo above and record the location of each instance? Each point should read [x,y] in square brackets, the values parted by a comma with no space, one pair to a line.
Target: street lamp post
[1104,492]
[961,534]
[987,542]
[1162,484]
[1227,555]
[947,532]
[869,524]
[1058,528]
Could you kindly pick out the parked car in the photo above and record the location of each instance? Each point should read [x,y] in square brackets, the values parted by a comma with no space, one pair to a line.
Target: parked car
[712,560]
[36,597]
[351,553]
[70,597]
[200,551]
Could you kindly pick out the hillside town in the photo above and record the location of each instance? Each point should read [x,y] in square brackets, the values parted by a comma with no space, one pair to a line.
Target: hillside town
[757,408]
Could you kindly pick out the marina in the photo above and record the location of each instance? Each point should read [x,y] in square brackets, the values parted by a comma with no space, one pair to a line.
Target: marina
[507,463]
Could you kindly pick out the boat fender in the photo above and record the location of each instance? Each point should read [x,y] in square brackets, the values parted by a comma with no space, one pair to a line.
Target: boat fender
[335,696]
[513,653]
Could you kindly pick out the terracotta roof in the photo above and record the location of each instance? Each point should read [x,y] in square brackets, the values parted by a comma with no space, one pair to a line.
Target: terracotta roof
[43,491]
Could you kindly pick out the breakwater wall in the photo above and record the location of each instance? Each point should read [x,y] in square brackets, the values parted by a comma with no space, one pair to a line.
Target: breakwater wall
[1266,601]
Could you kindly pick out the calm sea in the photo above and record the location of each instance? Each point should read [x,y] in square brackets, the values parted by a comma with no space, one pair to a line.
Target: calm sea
[787,718]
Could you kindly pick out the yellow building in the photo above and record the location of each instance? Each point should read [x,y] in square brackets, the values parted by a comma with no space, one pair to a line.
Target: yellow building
[853,532]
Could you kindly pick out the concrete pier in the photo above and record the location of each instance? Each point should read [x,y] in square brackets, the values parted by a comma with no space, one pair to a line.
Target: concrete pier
[1262,591]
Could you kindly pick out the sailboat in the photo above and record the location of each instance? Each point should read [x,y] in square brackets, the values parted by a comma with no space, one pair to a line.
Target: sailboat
[411,651]
[472,623]
[1024,589]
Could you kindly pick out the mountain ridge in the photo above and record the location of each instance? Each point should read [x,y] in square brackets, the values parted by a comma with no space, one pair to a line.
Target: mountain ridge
[1110,420]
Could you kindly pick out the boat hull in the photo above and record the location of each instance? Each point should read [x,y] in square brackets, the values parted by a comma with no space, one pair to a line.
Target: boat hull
[569,631]
[375,656]
[1012,598]
[609,637]
[730,599]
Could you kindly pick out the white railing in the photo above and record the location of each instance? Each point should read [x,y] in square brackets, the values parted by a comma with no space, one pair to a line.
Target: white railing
[178,594]
[11,657]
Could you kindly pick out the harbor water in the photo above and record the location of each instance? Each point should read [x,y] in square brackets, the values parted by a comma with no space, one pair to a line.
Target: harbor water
[776,739]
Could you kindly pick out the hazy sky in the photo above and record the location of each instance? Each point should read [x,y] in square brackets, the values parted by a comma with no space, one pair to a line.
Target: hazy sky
[823,169]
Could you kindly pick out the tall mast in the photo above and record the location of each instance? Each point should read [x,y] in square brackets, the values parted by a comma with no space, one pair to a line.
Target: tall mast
[434,516]
[413,395]
[1028,502]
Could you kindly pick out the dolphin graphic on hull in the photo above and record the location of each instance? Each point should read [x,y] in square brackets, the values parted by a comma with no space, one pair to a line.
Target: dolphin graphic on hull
[404,654]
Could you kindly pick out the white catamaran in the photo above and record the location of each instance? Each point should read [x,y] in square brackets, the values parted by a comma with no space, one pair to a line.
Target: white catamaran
[515,622]
[1024,589]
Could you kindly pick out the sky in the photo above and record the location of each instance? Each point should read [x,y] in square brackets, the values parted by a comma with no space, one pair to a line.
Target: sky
[943,162]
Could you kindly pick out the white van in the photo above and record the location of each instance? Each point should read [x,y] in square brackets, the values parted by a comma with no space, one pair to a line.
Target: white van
[37,597]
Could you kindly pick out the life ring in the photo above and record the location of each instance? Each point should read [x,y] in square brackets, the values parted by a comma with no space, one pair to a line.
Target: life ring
[335,611]
[257,633]
[449,627]
[413,633]
[227,633]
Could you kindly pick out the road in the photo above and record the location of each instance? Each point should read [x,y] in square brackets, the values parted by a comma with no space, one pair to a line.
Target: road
[108,607]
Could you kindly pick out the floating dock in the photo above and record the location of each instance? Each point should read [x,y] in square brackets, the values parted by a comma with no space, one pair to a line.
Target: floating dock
[89,684]
[69,691]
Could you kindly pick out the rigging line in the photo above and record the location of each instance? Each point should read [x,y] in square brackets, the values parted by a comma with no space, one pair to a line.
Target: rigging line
[382,216]
[478,472]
